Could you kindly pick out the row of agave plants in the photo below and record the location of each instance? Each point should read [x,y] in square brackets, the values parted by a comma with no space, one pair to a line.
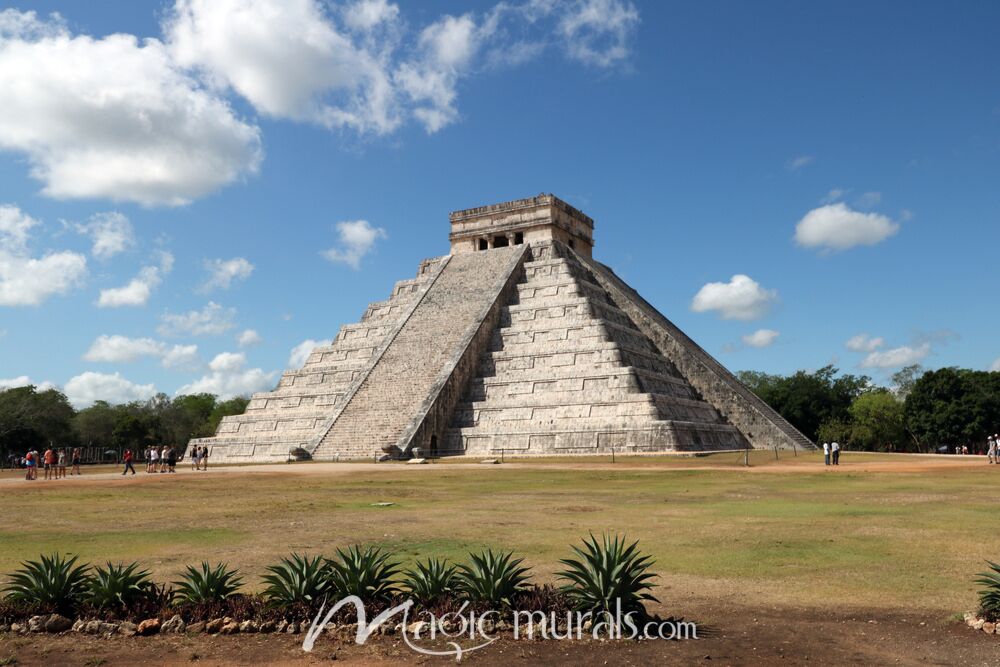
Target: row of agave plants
[599,575]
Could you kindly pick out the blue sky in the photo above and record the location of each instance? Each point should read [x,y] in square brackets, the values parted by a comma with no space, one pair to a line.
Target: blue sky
[793,184]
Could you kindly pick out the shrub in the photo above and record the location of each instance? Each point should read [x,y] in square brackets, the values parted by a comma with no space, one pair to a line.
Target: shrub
[430,581]
[119,587]
[208,584]
[368,573]
[606,572]
[297,579]
[989,597]
[492,577]
[53,581]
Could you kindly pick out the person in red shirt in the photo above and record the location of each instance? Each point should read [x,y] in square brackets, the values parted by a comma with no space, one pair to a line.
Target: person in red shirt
[31,465]
[50,463]
[128,462]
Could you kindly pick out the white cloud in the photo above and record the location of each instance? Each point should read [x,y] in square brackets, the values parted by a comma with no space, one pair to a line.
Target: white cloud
[14,383]
[139,289]
[869,199]
[897,357]
[799,161]
[300,353]
[27,280]
[114,117]
[82,390]
[864,343]
[121,349]
[598,32]
[742,298]
[229,377]
[996,365]
[110,232]
[211,320]
[365,15]
[223,272]
[357,238]
[248,338]
[761,338]
[838,227]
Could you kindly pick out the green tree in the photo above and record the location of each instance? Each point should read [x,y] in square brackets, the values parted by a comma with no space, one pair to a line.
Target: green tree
[32,419]
[877,422]
[953,406]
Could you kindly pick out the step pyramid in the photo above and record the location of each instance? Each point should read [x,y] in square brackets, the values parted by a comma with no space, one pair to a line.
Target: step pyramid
[517,342]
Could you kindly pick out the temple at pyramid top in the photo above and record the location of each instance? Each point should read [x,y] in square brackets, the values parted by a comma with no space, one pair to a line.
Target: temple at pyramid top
[515,342]
[532,220]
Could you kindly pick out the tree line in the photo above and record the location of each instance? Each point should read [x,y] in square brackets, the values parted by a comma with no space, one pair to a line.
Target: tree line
[920,412]
[33,419]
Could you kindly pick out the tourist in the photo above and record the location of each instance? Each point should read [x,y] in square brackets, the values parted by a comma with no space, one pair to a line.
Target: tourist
[29,465]
[50,462]
[991,450]
[204,458]
[61,464]
[826,453]
[75,470]
[194,457]
[171,460]
[128,462]
[154,459]
[163,459]
[835,450]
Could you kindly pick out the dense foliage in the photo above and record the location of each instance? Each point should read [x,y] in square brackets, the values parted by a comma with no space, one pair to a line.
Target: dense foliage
[607,575]
[30,418]
[921,411]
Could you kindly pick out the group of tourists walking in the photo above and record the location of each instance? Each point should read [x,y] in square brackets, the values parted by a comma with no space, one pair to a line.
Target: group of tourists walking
[53,461]
[199,458]
[160,459]
[831,453]
[993,449]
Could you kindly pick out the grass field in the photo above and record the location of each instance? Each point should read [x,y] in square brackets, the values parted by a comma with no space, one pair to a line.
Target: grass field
[910,535]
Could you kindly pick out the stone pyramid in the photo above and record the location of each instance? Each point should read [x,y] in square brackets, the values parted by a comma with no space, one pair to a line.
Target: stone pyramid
[516,342]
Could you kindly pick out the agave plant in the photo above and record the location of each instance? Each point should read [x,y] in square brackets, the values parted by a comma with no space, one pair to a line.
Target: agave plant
[55,581]
[606,573]
[989,597]
[492,577]
[297,579]
[368,573]
[119,587]
[431,580]
[207,584]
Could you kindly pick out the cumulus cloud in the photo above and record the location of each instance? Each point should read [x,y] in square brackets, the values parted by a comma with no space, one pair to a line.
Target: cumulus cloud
[838,227]
[742,298]
[139,289]
[799,161]
[224,272]
[300,353]
[122,349]
[211,320]
[248,338]
[82,390]
[761,338]
[598,32]
[228,377]
[114,117]
[110,232]
[24,381]
[357,238]
[27,280]
[864,343]
[996,365]
[897,357]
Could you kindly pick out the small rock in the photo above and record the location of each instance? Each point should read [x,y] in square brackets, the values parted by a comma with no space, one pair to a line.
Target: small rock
[248,626]
[978,625]
[18,627]
[383,504]
[128,629]
[79,625]
[230,628]
[196,627]
[280,627]
[37,623]
[175,625]
[490,461]
[108,629]
[416,462]
[969,617]
[150,626]
[416,628]
[92,627]
[386,629]
[502,625]
[267,626]
[292,628]
[989,628]
[57,623]
[4,628]
[213,626]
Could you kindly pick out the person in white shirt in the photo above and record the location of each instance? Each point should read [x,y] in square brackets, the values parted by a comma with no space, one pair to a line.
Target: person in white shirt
[835,450]
[991,450]
[826,453]
[154,459]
